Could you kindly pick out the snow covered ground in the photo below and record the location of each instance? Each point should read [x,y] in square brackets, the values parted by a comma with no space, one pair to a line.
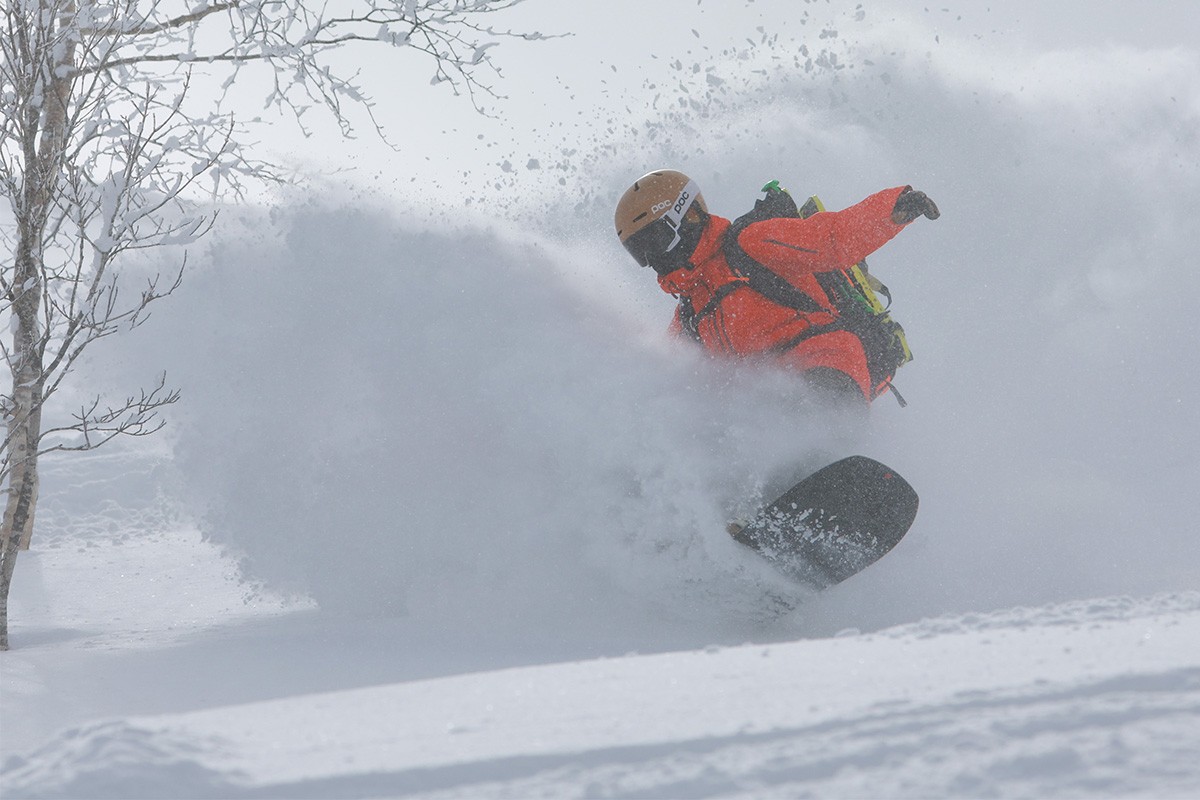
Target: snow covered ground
[442,512]
[1093,698]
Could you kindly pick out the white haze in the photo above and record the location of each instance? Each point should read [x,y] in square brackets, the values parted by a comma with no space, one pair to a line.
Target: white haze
[463,409]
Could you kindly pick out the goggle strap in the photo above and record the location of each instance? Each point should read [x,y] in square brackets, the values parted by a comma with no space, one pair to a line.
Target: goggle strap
[683,202]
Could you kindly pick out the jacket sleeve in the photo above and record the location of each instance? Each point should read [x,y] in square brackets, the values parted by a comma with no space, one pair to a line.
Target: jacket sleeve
[826,241]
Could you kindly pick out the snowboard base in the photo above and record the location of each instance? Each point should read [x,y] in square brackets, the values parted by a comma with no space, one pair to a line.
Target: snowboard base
[834,523]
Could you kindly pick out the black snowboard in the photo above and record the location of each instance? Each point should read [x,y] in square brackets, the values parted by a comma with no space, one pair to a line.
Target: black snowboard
[834,523]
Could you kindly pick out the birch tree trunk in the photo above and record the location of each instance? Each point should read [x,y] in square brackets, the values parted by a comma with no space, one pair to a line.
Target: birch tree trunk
[43,148]
[24,429]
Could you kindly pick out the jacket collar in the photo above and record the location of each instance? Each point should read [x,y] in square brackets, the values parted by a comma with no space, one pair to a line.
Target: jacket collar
[683,280]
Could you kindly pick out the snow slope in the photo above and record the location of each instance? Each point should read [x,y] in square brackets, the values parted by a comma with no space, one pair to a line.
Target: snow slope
[1084,699]
[436,455]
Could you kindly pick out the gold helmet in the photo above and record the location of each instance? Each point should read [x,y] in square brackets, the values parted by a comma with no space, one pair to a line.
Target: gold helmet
[650,219]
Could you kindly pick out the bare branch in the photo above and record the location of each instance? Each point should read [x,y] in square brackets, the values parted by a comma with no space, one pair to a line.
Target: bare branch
[95,426]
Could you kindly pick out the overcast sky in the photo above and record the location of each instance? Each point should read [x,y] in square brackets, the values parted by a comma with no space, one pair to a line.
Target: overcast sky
[616,46]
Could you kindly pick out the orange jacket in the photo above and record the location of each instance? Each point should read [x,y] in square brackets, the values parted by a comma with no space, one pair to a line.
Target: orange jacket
[733,319]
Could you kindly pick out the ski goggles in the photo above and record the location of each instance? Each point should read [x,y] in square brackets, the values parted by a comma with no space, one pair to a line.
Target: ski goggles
[662,236]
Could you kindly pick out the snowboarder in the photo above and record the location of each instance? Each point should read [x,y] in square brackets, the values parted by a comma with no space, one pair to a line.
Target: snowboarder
[705,260]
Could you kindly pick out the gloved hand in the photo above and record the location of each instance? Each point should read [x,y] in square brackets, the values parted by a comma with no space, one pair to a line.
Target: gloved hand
[910,205]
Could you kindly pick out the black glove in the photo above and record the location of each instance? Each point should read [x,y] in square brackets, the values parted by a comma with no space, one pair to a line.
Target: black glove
[910,205]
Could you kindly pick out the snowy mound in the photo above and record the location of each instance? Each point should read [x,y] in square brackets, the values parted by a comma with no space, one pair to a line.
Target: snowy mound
[1091,698]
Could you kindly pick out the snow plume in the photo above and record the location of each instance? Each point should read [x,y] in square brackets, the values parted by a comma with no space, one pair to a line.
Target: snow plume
[436,424]
[484,429]
[1053,425]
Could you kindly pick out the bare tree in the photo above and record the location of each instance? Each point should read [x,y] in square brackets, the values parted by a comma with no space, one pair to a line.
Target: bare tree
[107,149]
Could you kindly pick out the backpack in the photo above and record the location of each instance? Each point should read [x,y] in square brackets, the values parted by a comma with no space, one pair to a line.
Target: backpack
[853,291]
